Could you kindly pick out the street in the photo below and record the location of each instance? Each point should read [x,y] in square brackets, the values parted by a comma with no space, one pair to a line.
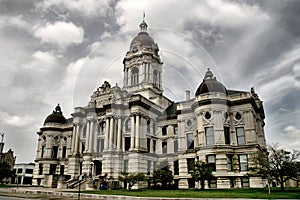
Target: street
[12,198]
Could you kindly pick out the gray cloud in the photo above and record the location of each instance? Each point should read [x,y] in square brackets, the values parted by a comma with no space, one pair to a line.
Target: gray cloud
[255,44]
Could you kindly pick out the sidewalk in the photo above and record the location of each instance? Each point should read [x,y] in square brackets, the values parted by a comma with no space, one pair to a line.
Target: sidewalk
[72,194]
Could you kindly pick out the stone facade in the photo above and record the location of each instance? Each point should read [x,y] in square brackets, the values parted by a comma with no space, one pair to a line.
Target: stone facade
[136,127]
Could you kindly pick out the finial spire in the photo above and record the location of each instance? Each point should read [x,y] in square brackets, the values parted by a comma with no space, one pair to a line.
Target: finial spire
[143,25]
[208,74]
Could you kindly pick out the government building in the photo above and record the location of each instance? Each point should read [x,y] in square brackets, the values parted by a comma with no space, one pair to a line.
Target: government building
[135,128]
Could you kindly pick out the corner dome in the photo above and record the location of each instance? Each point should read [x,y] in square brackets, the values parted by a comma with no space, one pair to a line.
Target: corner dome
[56,117]
[143,38]
[210,84]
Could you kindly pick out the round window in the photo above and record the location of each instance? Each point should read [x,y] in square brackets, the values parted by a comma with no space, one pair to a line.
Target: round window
[189,123]
[238,116]
[207,115]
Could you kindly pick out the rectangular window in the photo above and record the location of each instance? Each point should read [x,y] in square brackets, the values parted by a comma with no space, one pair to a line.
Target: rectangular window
[43,150]
[243,160]
[176,167]
[175,130]
[154,165]
[190,140]
[164,130]
[125,167]
[240,134]
[245,182]
[211,160]
[148,167]
[82,147]
[28,171]
[52,169]
[127,143]
[175,146]
[64,152]
[229,163]
[84,132]
[20,170]
[154,146]
[62,170]
[190,164]
[148,144]
[209,136]
[212,183]
[164,147]
[227,135]
[54,152]
[100,145]
[40,169]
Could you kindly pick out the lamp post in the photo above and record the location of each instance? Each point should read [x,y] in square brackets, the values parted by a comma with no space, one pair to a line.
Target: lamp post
[17,181]
[91,169]
[80,179]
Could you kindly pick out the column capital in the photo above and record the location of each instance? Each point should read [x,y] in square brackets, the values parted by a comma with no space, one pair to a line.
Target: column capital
[136,113]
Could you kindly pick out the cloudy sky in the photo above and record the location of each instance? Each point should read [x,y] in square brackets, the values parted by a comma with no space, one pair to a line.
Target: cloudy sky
[59,51]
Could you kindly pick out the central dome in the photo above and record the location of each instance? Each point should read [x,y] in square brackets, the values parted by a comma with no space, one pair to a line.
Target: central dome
[142,39]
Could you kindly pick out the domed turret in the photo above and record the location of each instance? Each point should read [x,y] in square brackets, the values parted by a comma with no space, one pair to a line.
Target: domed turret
[56,116]
[210,84]
[142,39]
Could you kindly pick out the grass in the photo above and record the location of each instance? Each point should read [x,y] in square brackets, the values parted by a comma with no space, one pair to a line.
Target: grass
[253,193]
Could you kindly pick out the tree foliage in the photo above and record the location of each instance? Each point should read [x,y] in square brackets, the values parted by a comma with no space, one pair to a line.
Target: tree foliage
[5,171]
[163,175]
[131,178]
[275,164]
[202,172]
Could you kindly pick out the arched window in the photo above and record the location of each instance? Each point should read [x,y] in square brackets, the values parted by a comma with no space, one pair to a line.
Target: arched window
[148,126]
[134,76]
[128,125]
[155,75]
[101,128]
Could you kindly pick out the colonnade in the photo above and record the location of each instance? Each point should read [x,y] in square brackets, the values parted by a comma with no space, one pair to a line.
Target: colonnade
[113,134]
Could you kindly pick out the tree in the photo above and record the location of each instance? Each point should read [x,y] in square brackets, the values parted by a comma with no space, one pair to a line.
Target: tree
[5,171]
[202,172]
[275,163]
[131,178]
[163,176]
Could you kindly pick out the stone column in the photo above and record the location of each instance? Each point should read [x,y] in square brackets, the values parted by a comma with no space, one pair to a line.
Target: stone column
[77,139]
[73,138]
[48,147]
[132,132]
[119,139]
[111,133]
[91,136]
[106,139]
[137,132]
[143,141]
[87,136]
[151,145]
[232,131]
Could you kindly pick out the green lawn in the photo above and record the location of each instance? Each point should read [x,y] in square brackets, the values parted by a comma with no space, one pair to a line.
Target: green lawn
[254,193]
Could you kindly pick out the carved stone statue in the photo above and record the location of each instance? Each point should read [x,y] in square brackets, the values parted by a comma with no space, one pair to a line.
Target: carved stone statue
[105,86]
